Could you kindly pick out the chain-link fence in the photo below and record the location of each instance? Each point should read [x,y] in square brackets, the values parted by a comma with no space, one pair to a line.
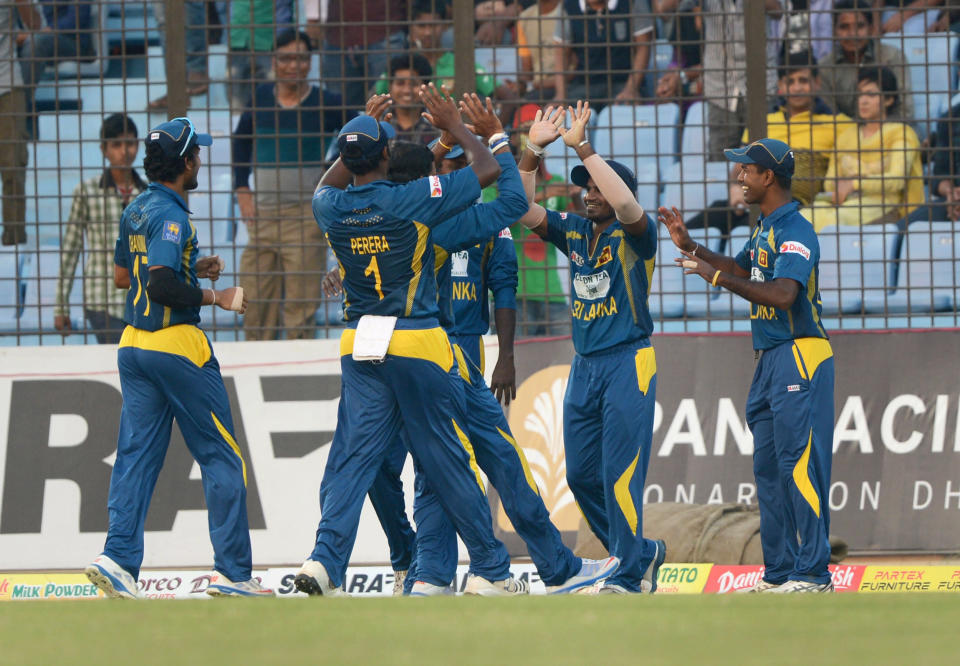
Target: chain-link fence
[865,96]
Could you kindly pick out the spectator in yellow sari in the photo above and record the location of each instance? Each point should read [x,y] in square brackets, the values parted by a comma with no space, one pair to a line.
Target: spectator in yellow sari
[875,175]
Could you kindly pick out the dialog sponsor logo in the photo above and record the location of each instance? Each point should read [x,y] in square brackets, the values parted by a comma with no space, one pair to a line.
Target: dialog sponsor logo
[793,247]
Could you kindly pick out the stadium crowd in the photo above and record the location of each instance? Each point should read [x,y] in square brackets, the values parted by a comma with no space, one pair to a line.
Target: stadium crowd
[872,127]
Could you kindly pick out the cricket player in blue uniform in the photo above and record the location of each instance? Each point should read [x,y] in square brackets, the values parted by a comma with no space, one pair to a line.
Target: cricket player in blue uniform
[497,452]
[609,404]
[790,406]
[399,370]
[168,370]
[487,266]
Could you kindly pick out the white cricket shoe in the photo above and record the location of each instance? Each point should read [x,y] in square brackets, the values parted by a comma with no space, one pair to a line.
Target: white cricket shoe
[398,579]
[613,588]
[221,586]
[803,587]
[312,579]
[495,588]
[591,571]
[424,589]
[761,587]
[112,579]
[649,580]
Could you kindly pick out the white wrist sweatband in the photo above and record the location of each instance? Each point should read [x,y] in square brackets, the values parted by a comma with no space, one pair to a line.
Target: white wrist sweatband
[535,149]
[496,137]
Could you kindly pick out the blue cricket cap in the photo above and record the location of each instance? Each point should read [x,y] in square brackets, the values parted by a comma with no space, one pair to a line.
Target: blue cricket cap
[177,137]
[364,137]
[579,175]
[769,153]
[452,154]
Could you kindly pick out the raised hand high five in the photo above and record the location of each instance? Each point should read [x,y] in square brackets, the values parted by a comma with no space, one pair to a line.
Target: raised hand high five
[441,110]
[482,116]
[579,117]
[546,126]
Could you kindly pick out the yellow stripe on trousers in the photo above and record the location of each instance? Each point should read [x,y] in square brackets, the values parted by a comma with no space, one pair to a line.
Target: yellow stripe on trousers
[801,477]
[228,438]
[465,442]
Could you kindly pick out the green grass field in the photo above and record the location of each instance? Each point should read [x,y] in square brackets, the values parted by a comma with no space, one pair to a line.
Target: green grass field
[703,629]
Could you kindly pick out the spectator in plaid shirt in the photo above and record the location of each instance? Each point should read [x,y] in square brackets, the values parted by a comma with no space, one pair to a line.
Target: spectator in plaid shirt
[93,228]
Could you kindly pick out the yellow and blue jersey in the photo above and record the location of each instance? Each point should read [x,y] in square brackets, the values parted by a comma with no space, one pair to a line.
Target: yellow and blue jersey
[491,265]
[155,230]
[380,234]
[784,245]
[480,226]
[611,285]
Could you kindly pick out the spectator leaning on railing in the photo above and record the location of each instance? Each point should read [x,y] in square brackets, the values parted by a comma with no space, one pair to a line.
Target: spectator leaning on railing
[93,228]
[875,175]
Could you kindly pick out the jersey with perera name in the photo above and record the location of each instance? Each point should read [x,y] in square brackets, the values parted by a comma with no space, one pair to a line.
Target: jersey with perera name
[155,230]
[380,234]
[784,245]
[609,286]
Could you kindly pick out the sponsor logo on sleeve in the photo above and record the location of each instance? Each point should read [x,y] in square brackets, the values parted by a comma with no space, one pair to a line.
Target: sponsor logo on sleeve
[171,231]
[436,190]
[793,247]
[563,216]
[505,234]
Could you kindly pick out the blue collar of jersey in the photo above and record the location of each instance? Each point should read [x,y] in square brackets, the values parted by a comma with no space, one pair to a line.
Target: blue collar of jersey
[159,187]
[778,214]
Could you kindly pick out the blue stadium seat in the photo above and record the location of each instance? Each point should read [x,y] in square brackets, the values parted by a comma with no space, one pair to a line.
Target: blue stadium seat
[638,134]
[855,262]
[691,185]
[693,141]
[502,61]
[931,60]
[929,276]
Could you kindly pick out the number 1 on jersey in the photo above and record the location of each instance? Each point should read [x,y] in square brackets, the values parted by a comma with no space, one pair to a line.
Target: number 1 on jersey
[374,269]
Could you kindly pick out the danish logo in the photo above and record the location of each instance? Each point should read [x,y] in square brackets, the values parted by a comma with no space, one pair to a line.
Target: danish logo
[793,247]
[505,234]
[576,258]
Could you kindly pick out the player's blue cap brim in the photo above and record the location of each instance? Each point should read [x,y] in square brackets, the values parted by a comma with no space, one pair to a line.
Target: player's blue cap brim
[768,153]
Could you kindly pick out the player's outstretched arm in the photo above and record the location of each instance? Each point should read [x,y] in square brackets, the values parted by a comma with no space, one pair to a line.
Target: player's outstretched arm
[442,113]
[618,195]
[671,219]
[544,131]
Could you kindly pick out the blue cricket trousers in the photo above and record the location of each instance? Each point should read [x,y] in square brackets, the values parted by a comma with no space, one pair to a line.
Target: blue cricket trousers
[607,433]
[181,382]
[415,388]
[790,412]
[505,465]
